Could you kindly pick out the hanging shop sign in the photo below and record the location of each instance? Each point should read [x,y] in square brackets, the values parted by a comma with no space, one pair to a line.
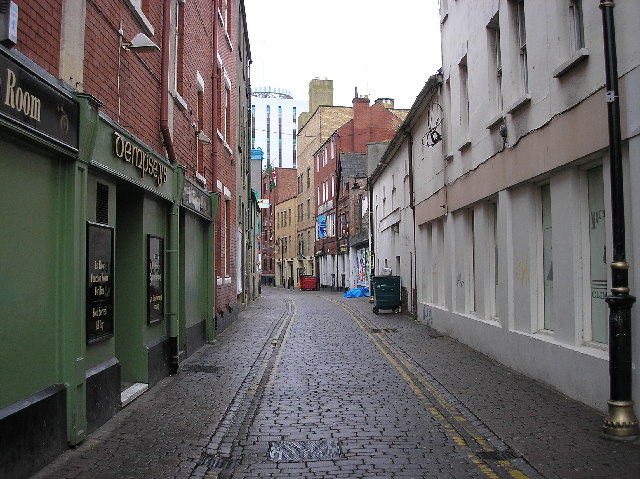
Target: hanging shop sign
[322,226]
[195,199]
[343,249]
[146,164]
[99,282]
[32,103]
[155,275]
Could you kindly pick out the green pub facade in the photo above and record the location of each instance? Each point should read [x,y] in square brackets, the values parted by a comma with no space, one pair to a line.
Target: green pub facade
[106,266]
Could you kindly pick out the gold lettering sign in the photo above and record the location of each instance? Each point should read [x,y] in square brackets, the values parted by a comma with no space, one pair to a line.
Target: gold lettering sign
[145,163]
[21,100]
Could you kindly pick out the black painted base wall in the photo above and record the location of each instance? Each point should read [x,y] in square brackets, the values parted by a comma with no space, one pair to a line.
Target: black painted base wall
[33,432]
[159,357]
[196,337]
[103,393]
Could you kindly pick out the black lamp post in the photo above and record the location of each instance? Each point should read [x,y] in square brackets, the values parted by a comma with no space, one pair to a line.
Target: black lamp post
[621,422]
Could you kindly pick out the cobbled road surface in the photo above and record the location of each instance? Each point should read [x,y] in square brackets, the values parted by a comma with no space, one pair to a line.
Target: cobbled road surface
[310,384]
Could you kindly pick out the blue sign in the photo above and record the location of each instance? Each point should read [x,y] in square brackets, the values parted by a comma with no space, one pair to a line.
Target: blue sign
[322,226]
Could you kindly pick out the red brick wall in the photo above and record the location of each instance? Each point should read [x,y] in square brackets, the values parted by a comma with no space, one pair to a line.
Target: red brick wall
[39,32]
[226,295]
[137,107]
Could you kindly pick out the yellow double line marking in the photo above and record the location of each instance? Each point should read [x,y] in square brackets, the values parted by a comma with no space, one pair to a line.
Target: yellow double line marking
[406,370]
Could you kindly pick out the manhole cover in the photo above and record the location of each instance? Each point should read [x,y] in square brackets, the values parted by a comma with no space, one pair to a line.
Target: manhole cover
[384,330]
[496,455]
[200,368]
[300,451]
[213,462]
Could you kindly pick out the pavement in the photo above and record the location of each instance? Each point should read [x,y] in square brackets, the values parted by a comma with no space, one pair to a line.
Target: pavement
[308,384]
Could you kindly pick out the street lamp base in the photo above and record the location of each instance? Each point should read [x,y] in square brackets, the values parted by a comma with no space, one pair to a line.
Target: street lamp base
[621,423]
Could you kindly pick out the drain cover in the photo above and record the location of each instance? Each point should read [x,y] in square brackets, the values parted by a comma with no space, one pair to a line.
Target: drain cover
[496,455]
[300,451]
[200,368]
[213,462]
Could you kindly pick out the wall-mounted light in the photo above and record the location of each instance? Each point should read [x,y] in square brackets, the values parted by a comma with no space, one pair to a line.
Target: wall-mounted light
[202,138]
[140,42]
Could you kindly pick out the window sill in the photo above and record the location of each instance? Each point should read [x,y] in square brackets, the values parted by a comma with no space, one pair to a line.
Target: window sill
[140,17]
[448,156]
[519,103]
[495,121]
[466,144]
[443,17]
[226,34]
[178,100]
[576,58]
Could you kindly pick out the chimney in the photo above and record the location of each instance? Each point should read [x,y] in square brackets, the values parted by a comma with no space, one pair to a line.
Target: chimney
[320,93]
[361,123]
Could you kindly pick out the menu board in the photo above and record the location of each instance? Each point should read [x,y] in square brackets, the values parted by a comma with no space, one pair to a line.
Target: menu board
[99,282]
[155,276]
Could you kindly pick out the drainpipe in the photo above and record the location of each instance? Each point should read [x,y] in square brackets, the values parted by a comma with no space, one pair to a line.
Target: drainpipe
[621,422]
[174,214]
[412,205]
[214,147]
[164,106]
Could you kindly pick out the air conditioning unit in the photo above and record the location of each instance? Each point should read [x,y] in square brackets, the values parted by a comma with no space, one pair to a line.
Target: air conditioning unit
[8,23]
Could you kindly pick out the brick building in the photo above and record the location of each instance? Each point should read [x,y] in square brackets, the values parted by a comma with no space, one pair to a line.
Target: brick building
[370,123]
[316,126]
[108,258]
[278,185]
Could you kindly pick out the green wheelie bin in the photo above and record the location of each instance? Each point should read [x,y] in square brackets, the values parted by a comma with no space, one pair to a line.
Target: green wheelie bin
[386,293]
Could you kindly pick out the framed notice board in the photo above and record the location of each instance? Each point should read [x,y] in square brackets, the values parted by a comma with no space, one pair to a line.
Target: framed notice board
[155,279]
[99,282]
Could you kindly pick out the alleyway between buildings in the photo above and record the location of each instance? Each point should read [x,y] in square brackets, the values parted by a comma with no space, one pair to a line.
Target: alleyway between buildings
[309,384]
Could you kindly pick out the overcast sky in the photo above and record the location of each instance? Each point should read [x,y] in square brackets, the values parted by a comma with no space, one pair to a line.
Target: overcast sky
[385,48]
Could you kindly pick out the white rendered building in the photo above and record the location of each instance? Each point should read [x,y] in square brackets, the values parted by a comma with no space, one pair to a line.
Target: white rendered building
[274,125]
[504,238]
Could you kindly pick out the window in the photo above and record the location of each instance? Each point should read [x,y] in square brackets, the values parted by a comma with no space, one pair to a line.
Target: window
[597,257]
[268,134]
[495,62]
[253,126]
[464,99]
[308,177]
[473,262]
[492,233]
[179,46]
[308,208]
[200,157]
[521,34]
[447,122]
[548,321]
[227,238]
[225,12]
[576,25]
[280,136]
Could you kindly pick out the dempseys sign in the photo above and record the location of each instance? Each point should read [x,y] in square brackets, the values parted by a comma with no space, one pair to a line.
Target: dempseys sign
[146,164]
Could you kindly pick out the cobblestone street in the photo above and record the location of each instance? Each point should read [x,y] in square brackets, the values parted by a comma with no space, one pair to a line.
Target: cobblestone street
[310,384]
